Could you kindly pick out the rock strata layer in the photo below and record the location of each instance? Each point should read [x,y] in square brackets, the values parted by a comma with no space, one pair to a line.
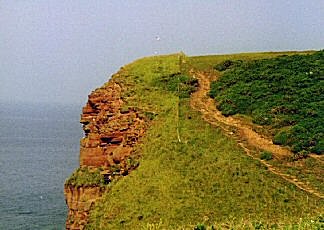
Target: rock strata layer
[80,200]
[111,130]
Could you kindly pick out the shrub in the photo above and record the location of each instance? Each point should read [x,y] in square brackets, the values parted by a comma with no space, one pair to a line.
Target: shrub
[318,148]
[281,138]
[265,155]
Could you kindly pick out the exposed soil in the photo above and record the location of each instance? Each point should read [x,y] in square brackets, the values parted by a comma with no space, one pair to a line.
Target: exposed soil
[251,141]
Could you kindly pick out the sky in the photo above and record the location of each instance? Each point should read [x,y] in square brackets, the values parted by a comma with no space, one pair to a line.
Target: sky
[59,51]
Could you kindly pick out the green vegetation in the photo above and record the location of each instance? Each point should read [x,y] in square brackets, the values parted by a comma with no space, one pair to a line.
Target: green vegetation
[93,176]
[266,156]
[284,93]
[303,224]
[86,177]
[182,85]
[208,63]
[190,172]
[228,64]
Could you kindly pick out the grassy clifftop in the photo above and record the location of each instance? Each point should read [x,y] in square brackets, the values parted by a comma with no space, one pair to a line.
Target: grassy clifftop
[190,173]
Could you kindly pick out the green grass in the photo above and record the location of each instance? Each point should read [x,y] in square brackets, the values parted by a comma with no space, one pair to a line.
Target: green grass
[284,93]
[204,178]
[86,177]
[208,63]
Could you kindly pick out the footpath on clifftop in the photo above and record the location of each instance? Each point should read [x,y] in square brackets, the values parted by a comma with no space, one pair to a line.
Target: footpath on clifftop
[247,138]
[158,155]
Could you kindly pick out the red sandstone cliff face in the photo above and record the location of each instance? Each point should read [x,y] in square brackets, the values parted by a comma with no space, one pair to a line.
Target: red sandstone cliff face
[80,200]
[111,132]
[111,128]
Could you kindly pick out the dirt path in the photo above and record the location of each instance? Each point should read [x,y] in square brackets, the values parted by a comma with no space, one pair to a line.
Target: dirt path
[247,138]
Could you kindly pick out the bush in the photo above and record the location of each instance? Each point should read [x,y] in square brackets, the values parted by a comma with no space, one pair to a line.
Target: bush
[266,156]
[318,148]
[281,138]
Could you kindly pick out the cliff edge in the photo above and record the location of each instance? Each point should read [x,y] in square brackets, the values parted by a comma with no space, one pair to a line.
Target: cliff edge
[107,151]
[115,118]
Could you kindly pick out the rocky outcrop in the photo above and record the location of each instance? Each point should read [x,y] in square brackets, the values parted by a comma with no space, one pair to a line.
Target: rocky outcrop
[80,200]
[112,129]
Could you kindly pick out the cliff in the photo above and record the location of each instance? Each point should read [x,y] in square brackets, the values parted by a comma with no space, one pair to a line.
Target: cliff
[115,119]
[111,128]
[112,131]
[80,200]
[188,170]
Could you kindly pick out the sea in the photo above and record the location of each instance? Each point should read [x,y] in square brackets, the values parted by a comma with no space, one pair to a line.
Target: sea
[39,149]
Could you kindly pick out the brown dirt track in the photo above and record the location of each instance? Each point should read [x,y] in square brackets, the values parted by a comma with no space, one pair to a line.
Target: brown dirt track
[247,138]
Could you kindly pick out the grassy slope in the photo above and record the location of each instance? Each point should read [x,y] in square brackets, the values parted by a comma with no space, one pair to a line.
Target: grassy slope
[205,178]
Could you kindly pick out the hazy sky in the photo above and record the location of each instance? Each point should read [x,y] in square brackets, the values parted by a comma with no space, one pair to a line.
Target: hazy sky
[58,51]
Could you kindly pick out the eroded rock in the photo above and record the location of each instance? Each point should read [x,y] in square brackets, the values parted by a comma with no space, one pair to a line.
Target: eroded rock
[111,129]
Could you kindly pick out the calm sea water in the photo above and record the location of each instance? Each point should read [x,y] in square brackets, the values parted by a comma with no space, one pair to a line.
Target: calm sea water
[39,149]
